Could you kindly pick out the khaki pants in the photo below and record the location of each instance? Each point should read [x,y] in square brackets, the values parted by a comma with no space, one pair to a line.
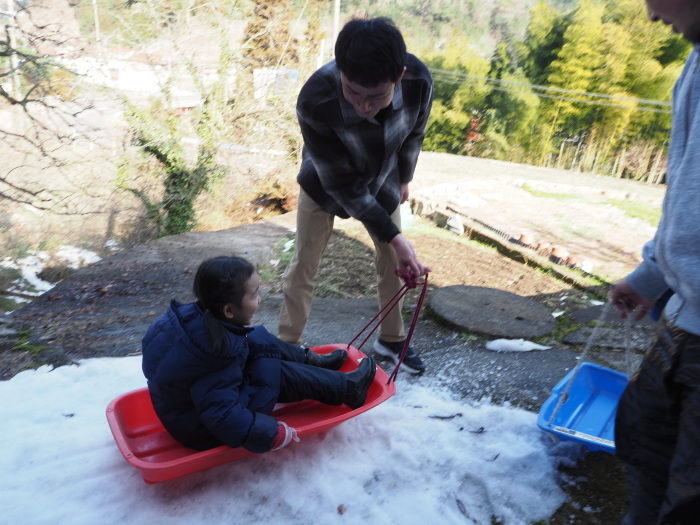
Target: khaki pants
[314,227]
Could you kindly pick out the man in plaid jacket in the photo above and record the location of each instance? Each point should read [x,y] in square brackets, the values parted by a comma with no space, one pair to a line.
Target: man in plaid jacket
[363,118]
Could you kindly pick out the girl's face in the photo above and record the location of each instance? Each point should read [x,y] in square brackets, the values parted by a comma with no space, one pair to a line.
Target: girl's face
[243,315]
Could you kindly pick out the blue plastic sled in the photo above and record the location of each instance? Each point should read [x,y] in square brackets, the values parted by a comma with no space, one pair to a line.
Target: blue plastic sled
[588,414]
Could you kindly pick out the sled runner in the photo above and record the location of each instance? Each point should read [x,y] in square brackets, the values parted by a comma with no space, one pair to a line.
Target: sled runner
[586,411]
[146,445]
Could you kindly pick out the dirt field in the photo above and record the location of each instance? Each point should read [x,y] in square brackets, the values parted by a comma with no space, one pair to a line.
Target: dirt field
[600,221]
[347,268]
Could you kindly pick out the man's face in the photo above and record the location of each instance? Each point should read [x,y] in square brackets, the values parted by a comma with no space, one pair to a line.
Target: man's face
[682,15]
[367,101]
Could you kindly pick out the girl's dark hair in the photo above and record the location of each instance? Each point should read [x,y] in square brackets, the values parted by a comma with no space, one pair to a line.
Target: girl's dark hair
[220,281]
[370,51]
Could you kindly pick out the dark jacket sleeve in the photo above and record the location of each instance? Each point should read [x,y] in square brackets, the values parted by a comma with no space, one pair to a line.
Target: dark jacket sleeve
[221,405]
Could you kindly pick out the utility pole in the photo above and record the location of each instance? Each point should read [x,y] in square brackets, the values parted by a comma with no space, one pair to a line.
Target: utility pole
[336,21]
[97,21]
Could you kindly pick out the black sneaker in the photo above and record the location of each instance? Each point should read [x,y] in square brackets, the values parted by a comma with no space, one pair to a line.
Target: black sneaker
[412,363]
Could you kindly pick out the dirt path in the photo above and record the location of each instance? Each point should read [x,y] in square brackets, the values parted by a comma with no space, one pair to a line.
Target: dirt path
[581,213]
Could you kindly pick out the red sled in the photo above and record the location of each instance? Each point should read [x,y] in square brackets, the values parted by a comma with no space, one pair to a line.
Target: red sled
[146,445]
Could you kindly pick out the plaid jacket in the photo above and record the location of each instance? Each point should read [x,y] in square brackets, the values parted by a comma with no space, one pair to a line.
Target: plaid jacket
[351,166]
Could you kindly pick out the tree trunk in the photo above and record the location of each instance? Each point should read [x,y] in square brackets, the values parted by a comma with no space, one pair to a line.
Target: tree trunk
[561,154]
[643,170]
[654,175]
[620,164]
[594,169]
[576,153]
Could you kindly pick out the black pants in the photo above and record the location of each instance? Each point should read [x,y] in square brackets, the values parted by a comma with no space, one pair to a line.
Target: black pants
[300,381]
[657,431]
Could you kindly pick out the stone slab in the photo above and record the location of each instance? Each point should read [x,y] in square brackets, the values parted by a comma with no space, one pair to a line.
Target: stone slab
[593,313]
[493,312]
[611,337]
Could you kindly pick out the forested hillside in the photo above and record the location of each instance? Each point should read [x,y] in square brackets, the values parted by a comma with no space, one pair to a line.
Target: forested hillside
[586,89]
[582,84]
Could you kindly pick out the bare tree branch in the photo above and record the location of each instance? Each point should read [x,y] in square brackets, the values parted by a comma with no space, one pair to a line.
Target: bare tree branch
[41,112]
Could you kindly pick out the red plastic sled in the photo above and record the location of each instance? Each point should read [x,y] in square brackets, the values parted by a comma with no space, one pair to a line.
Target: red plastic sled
[147,446]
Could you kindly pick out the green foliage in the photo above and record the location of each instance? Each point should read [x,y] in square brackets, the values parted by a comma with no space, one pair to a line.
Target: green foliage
[511,112]
[159,134]
[459,93]
[545,35]
[639,210]
[574,67]
[23,345]
[162,141]
[446,129]
[577,91]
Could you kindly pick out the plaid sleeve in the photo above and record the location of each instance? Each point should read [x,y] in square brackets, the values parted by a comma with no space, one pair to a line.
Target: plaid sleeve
[411,148]
[341,179]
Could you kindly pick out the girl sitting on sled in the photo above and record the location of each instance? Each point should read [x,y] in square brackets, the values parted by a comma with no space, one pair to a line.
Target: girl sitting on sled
[213,379]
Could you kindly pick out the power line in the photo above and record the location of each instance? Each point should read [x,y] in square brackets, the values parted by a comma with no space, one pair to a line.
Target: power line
[591,102]
[547,88]
[452,77]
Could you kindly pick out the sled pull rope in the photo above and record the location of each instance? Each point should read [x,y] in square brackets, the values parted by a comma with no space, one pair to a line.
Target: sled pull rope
[410,282]
[628,358]
[628,344]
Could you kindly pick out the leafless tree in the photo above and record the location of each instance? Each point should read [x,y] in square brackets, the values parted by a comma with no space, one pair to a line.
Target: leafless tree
[41,108]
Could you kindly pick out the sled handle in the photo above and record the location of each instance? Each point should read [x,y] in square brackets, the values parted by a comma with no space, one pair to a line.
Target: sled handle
[410,282]
[594,334]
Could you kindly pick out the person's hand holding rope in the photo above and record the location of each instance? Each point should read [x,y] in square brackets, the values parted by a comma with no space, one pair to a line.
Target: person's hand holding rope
[407,260]
[627,300]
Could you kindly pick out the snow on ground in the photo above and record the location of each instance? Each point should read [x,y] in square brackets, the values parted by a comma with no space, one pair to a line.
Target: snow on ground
[31,265]
[514,345]
[420,457]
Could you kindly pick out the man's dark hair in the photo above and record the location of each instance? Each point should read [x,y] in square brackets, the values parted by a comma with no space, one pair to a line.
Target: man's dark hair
[371,51]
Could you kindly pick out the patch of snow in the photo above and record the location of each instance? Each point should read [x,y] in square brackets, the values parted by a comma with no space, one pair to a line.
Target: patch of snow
[514,345]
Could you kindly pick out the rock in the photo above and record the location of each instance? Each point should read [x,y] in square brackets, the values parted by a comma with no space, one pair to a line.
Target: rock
[493,312]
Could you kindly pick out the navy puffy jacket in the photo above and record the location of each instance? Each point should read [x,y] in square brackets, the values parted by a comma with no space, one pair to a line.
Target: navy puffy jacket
[205,400]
